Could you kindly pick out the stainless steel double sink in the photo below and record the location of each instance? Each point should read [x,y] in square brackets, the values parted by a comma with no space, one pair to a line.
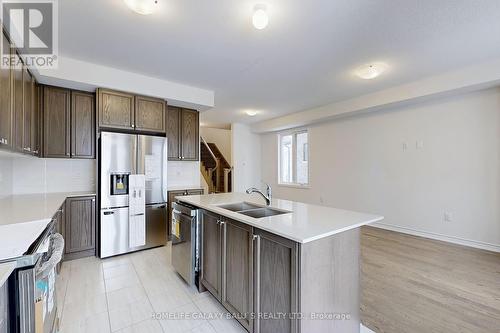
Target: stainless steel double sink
[253,210]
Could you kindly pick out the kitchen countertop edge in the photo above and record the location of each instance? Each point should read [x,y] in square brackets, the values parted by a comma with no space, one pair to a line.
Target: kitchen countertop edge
[325,229]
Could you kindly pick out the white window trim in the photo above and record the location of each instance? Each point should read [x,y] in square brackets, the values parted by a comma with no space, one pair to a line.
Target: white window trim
[294,133]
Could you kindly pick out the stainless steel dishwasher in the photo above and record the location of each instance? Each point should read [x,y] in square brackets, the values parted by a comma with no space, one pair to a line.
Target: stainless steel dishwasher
[186,242]
[32,285]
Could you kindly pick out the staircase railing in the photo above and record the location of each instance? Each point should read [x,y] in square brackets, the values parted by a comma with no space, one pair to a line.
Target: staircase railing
[216,169]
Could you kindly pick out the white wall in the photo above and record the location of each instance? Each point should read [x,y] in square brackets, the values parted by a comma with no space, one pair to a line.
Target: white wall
[359,163]
[40,175]
[246,158]
[221,137]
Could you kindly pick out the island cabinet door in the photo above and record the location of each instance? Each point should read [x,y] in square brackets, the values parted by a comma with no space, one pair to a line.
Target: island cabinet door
[237,271]
[275,283]
[211,253]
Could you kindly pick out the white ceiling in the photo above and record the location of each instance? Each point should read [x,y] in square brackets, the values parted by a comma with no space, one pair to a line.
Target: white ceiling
[303,59]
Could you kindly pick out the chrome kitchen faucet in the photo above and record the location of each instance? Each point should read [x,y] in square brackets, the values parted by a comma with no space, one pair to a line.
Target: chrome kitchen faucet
[267,197]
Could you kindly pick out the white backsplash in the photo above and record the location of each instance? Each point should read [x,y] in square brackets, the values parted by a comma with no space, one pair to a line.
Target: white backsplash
[25,175]
[183,174]
[40,175]
[5,175]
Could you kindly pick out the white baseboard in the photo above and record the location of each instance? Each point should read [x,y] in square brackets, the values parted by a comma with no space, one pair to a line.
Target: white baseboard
[440,237]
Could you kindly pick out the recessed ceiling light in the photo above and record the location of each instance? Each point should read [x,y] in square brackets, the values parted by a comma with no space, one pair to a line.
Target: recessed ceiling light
[260,19]
[143,7]
[251,113]
[371,71]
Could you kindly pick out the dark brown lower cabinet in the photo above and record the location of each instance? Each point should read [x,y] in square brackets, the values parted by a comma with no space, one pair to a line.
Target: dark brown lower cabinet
[275,282]
[211,253]
[237,271]
[281,282]
[251,271]
[79,229]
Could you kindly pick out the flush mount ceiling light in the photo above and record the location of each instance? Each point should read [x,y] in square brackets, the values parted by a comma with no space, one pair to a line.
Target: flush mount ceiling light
[251,113]
[371,71]
[260,19]
[143,7]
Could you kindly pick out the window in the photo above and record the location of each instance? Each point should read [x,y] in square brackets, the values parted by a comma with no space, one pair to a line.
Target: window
[294,158]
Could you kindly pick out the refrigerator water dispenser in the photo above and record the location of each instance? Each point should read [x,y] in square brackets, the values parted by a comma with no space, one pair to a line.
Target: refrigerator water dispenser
[119,183]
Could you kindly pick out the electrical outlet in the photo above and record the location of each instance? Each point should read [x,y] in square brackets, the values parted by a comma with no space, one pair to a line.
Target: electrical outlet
[420,144]
[448,217]
[405,146]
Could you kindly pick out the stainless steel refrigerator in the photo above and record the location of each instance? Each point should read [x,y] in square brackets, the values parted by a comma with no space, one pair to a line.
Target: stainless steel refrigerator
[123,155]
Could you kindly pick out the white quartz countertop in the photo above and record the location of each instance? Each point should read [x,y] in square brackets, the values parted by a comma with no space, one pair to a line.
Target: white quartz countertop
[24,217]
[304,223]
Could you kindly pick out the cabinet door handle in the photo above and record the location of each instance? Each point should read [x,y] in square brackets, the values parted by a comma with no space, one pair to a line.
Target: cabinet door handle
[224,255]
[256,239]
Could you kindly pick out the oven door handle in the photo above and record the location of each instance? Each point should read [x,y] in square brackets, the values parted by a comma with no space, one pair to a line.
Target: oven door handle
[46,267]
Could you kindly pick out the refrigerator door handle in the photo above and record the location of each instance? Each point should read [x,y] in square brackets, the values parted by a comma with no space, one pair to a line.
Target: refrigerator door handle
[134,154]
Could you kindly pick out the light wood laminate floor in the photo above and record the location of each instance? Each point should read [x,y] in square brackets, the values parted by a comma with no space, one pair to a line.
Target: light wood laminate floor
[413,285]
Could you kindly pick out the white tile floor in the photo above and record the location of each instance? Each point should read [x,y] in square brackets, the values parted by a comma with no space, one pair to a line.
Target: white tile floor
[121,294]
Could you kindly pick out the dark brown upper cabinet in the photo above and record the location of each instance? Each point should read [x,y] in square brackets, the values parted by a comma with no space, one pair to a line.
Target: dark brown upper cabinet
[129,112]
[56,122]
[173,133]
[5,102]
[35,118]
[190,142]
[18,102]
[183,134]
[149,114]
[116,109]
[82,125]
[69,123]
[27,111]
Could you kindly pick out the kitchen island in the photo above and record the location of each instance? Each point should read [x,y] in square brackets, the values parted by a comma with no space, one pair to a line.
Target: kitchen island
[287,267]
